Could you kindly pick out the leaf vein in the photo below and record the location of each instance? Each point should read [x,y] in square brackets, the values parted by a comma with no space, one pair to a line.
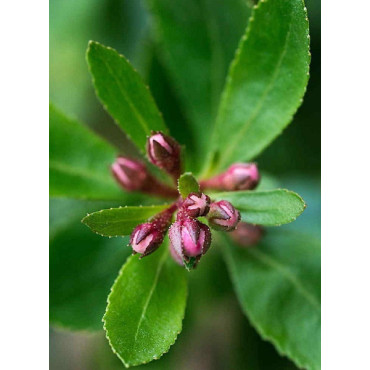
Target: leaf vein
[248,123]
[268,260]
[159,269]
[139,117]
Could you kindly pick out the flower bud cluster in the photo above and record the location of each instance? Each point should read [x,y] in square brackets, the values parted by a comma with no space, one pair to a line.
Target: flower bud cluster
[189,238]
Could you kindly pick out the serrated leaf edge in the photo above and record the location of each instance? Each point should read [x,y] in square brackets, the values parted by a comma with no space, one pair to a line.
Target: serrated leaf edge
[127,365]
[178,182]
[229,80]
[90,43]
[302,202]
[283,351]
[84,220]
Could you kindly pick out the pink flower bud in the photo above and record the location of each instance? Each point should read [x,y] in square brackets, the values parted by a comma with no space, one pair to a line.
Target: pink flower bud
[131,174]
[190,238]
[164,152]
[146,238]
[246,234]
[241,176]
[223,216]
[196,238]
[175,256]
[196,204]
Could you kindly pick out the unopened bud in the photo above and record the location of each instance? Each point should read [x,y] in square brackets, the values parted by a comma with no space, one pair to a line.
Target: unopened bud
[164,152]
[146,238]
[246,234]
[241,176]
[131,174]
[196,238]
[196,204]
[223,216]
[190,239]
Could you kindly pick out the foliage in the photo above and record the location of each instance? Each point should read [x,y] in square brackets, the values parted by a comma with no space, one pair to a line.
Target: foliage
[277,281]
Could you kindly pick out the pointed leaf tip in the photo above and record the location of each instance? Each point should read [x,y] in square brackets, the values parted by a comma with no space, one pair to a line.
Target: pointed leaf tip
[123,93]
[266,81]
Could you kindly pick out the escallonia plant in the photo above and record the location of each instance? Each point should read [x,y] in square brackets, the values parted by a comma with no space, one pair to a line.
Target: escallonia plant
[167,200]
[189,238]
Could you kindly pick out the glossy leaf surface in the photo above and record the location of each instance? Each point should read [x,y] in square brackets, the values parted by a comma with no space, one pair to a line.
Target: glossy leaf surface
[278,286]
[270,207]
[266,81]
[123,94]
[120,221]
[278,281]
[146,307]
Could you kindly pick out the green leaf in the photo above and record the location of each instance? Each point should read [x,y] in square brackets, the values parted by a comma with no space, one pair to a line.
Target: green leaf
[266,81]
[79,161]
[123,94]
[120,221]
[270,208]
[278,286]
[187,184]
[83,267]
[198,40]
[146,307]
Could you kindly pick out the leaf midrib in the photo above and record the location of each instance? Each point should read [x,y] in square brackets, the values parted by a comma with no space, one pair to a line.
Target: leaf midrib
[119,221]
[226,154]
[145,307]
[139,117]
[275,265]
[250,207]
[129,217]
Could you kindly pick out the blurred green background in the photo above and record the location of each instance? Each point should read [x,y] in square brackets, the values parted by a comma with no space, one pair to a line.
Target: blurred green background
[216,334]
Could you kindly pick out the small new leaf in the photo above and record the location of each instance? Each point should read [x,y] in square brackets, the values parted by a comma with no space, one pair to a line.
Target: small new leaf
[187,184]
